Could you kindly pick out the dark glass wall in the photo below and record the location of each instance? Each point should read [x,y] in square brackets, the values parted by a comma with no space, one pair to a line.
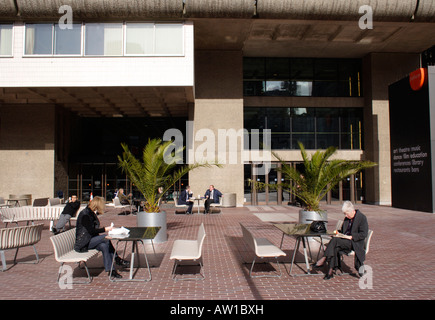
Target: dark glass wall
[316,128]
[303,77]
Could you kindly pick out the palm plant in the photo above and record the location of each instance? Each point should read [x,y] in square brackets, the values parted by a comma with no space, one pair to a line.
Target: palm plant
[155,175]
[320,174]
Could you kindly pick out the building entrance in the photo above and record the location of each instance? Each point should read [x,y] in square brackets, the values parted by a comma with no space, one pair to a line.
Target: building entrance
[95,147]
[351,188]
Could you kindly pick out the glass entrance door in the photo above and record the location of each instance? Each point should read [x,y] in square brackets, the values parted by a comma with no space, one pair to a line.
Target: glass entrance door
[98,179]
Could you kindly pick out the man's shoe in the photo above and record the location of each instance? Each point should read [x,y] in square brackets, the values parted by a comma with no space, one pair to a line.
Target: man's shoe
[121,262]
[328,276]
[115,274]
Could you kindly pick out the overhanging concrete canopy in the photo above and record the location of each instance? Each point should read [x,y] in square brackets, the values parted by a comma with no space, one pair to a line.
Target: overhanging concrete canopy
[107,101]
[388,10]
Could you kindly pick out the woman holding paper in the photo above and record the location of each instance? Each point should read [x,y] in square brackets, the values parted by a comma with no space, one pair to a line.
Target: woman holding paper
[88,236]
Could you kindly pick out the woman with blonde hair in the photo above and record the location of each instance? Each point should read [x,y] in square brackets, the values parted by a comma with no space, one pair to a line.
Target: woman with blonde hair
[88,236]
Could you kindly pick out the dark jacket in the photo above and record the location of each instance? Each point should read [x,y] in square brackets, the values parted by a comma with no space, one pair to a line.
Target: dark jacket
[216,195]
[359,231]
[71,208]
[183,196]
[87,227]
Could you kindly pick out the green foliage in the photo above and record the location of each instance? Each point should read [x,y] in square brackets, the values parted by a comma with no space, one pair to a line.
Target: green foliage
[320,174]
[154,171]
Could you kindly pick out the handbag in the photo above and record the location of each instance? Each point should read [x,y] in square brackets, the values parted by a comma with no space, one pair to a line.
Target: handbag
[318,227]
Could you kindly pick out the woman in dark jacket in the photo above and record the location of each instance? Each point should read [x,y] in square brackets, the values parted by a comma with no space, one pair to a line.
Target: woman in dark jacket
[350,237]
[88,236]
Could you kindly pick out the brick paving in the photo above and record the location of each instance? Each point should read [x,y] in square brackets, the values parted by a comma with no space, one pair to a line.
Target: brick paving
[401,257]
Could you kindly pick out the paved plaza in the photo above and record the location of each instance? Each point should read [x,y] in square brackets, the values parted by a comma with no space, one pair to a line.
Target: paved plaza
[401,261]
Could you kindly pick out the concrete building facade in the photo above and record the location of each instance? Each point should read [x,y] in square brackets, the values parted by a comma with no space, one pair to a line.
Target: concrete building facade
[157,62]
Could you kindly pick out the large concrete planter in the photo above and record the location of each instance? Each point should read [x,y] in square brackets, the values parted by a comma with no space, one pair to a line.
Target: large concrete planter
[154,219]
[307,217]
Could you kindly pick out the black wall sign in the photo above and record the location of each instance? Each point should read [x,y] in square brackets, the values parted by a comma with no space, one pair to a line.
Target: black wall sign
[411,174]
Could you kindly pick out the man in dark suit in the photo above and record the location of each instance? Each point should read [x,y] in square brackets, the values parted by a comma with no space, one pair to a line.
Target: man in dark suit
[351,237]
[212,195]
[184,198]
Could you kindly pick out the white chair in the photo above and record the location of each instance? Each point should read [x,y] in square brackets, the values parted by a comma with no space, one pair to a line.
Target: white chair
[54,201]
[63,245]
[117,204]
[189,250]
[3,203]
[262,248]
[183,206]
[217,205]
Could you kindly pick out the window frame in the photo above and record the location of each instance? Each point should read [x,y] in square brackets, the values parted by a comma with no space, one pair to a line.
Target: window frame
[124,26]
[12,41]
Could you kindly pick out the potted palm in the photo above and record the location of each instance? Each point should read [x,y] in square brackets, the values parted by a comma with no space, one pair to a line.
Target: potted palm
[319,175]
[153,176]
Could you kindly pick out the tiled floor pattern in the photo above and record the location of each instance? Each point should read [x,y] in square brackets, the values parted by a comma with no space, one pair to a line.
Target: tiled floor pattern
[401,260]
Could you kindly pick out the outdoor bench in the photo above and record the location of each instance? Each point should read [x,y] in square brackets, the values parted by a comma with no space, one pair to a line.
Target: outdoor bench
[18,237]
[30,214]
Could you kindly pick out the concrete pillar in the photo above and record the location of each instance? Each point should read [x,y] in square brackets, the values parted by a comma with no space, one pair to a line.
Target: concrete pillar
[218,110]
[27,150]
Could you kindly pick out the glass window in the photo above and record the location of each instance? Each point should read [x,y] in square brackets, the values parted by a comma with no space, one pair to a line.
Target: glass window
[5,39]
[351,129]
[316,128]
[301,88]
[325,69]
[301,69]
[140,38]
[254,118]
[169,39]
[277,88]
[278,121]
[103,39]
[254,88]
[303,127]
[277,69]
[67,41]
[349,76]
[254,68]
[39,39]
[327,127]
[302,77]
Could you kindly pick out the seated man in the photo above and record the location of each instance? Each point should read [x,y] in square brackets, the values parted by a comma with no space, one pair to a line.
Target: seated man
[68,212]
[185,198]
[212,195]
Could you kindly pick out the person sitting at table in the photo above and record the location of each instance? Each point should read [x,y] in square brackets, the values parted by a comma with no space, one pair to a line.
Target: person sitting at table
[185,198]
[123,199]
[68,212]
[212,195]
[350,237]
[88,236]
